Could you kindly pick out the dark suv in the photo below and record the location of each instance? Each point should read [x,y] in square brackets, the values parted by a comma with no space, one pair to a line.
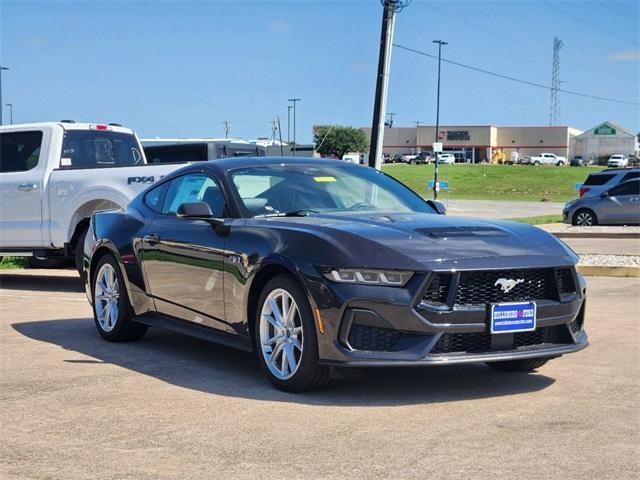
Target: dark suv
[599,182]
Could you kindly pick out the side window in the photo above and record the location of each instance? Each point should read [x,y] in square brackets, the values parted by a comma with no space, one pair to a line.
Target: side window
[19,151]
[100,148]
[193,188]
[630,175]
[153,198]
[630,188]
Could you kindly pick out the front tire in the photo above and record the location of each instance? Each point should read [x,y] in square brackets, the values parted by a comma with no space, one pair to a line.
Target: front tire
[286,339]
[528,365]
[584,218]
[111,307]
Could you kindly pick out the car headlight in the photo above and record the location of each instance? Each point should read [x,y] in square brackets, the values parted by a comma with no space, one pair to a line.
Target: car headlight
[391,278]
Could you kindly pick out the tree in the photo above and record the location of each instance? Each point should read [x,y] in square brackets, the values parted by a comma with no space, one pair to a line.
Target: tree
[337,140]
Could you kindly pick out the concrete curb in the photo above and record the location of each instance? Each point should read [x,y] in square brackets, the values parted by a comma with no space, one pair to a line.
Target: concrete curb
[595,235]
[606,271]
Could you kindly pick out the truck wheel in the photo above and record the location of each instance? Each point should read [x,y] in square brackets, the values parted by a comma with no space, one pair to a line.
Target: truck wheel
[79,251]
[111,307]
[536,162]
[51,262]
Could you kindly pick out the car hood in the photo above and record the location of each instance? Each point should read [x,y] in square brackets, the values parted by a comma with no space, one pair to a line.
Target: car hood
[418,240]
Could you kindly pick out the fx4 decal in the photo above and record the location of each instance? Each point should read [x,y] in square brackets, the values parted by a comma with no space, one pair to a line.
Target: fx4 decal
[131,180]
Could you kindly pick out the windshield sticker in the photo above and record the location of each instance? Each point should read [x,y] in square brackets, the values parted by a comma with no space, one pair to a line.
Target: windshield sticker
[324,179]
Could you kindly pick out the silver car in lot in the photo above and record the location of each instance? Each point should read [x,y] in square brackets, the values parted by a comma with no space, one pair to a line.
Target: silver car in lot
[619,205]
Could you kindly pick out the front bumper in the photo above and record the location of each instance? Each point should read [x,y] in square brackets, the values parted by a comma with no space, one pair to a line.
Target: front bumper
[366,326]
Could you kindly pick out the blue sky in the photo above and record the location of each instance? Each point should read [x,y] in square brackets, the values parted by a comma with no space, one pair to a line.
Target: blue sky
[177,68]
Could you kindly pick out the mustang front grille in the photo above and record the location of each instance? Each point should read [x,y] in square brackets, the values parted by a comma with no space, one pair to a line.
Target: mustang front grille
[480,288]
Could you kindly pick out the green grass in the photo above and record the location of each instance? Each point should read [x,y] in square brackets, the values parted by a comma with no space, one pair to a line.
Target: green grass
[497,182]
[539,220]
[13,262]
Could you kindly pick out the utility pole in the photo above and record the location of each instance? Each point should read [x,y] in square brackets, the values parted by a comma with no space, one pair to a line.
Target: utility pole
[418,122]
[554,113]
[280,135]
[435,177]
[1,69]
[10,105]
[294,101]
[289,107]
[390,122]
[227,129]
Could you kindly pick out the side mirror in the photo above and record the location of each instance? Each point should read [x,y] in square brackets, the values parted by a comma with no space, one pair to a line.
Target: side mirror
[437,206]
[199,210]
[604,194]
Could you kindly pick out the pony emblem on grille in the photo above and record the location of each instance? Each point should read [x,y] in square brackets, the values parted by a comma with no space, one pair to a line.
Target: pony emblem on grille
[508,284]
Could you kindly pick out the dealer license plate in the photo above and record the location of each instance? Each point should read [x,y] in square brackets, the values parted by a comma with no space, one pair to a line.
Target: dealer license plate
[513,317]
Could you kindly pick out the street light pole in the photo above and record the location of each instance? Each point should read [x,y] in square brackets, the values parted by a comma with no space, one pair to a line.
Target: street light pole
[294,100]
[1,69]
[289,107]
[10,105]
[435,179]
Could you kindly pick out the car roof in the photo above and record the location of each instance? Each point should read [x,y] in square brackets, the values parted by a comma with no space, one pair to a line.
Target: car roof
[615,170]
[232,163]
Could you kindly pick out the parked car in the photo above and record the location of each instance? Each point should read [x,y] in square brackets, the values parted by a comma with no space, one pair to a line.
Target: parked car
[422,158]
[619,205]
[578,161]
[618,161]
[319,263]
[446,158]
[53,176]
[407,157]
[545,159]
[598,182]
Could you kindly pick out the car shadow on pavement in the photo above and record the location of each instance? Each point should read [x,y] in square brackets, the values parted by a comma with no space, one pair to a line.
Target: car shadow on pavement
[195,364]
[41,283]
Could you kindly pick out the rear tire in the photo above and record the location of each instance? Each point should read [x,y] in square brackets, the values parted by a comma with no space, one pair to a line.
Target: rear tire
[275,331]
[79,251]
[584,218]
[528,365]
[111,307]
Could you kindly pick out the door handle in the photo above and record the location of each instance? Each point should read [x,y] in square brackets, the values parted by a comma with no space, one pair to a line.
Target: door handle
[27,187]
[151,239]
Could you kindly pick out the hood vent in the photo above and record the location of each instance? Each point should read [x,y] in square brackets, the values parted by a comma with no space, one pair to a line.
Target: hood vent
[462,232]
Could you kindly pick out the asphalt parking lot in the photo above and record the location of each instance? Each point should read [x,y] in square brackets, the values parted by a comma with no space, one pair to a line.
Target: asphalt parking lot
[172,407]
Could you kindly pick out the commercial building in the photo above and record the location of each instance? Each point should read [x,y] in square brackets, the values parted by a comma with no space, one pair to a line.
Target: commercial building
[604,140]
[479,143]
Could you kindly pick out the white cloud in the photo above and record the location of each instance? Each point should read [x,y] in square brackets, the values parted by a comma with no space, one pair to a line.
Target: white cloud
[631,55]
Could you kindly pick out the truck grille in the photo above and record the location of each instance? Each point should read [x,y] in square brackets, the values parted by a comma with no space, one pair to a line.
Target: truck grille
[478,288]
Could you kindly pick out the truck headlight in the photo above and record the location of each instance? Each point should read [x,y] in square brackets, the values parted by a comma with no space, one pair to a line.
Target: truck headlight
[390,278]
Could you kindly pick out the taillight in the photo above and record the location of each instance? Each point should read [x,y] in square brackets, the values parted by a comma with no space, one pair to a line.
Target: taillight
[99,127]
[583,190]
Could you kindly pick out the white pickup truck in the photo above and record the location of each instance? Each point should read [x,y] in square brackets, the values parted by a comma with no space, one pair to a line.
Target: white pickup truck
[53,176]
[545,159]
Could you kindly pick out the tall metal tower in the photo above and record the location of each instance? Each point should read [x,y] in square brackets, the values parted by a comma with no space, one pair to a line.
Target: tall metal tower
[554,113]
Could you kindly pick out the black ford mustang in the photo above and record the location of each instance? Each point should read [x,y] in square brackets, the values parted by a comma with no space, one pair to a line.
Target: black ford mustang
[316,263]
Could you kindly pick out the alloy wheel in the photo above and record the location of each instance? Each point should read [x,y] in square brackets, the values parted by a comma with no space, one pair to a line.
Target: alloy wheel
[106,296]
[281,334]
[584,219]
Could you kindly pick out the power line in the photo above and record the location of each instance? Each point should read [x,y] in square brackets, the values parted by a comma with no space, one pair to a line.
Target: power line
[592,25]
[609,6]
[525,45]
[514,79]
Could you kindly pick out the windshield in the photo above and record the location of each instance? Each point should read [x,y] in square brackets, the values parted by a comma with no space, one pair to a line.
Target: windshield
[280,189]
